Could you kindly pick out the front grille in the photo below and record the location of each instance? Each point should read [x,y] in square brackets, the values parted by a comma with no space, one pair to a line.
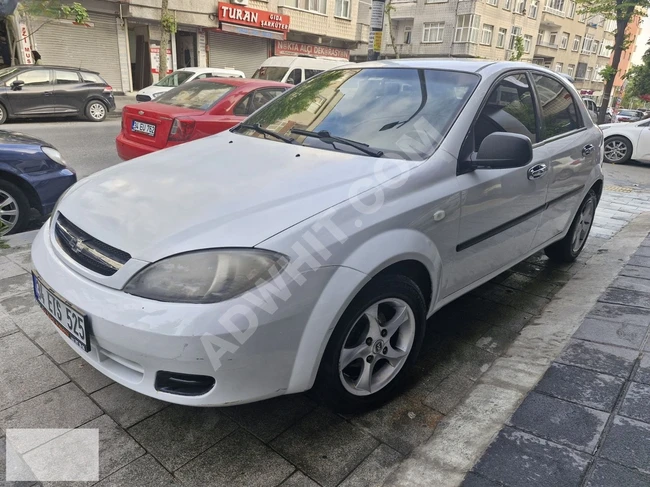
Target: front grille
[142,98]
[86,250]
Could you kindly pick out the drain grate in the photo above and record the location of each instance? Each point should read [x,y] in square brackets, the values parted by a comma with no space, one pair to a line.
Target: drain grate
[618,189]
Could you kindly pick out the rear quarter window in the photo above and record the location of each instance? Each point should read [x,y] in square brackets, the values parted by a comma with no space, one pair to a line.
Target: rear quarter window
[92,78]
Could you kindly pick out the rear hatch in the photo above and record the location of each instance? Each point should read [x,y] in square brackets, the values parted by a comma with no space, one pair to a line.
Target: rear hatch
[150,123]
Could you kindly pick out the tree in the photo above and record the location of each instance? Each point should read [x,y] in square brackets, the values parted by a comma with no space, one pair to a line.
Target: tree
[518,49]
[622,12]
[638,80]
[167,27]
[388,10]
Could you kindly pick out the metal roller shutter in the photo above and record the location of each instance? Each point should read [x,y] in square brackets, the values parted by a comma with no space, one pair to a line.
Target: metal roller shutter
[93,48]
[244,53]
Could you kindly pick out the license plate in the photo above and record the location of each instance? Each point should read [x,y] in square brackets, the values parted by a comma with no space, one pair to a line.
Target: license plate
[143,128]
[71,321]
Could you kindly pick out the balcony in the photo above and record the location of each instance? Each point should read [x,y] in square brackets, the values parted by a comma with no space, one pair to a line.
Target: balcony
[464,49]
[550,18]
[546,50]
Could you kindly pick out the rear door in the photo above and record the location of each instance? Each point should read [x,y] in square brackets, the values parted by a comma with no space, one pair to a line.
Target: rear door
[571,148]
[34,97]
[70,92]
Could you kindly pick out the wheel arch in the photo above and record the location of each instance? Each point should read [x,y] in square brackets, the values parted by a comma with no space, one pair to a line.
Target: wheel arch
[25,187]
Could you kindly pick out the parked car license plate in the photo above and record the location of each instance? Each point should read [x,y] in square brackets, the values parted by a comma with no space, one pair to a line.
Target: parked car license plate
[143,128]
[70,320]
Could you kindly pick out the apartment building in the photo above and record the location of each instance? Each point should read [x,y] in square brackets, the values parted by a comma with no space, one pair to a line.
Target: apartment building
[633,32]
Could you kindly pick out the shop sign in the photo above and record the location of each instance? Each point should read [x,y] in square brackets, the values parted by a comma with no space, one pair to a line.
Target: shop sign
[25,44]
[236,14]
[155,59]
[288,48]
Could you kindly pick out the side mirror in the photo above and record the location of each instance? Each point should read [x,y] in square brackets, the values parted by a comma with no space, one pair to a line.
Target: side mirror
[503,150]
[17,85]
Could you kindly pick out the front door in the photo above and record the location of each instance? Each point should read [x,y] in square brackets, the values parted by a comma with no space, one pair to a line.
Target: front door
[500,208]
[34,97]
[69,91]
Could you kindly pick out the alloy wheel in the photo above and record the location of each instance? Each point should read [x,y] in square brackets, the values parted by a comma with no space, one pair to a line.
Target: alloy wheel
[97,111]
[581,231]
[615,150]
[377,346]
[9,212]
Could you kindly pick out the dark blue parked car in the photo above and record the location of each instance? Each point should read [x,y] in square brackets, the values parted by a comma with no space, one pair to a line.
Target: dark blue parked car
[33,175]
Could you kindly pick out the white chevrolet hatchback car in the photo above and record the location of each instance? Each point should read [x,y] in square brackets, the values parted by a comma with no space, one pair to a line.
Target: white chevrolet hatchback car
[308,245]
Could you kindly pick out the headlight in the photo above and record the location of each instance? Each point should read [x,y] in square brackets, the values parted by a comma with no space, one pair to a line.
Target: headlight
[205,276]
[156,95]
[54,154]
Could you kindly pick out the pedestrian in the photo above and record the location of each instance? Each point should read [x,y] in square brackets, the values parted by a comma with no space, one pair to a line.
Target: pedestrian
[37,57]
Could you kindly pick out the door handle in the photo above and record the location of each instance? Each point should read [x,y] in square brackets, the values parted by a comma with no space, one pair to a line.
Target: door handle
[47,93]
[588,149]
[537,171]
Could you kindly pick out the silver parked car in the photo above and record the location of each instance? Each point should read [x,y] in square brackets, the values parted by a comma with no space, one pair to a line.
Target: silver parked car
[309,245]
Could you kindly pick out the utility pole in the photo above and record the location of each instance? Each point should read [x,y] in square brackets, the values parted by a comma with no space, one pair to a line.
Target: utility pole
[376,29]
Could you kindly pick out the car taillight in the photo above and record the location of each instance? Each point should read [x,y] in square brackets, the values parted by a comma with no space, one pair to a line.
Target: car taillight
[182,129]
[108,89]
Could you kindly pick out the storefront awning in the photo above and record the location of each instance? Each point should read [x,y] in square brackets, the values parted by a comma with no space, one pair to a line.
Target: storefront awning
[252,31]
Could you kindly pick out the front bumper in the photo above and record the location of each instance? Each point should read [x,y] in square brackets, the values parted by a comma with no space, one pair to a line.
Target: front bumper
[251,355]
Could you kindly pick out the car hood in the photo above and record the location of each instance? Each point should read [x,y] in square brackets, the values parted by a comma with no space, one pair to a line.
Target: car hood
[152,90]
[15,138]
[227,190]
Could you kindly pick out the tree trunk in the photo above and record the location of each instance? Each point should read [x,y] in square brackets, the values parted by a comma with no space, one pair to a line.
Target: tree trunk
[164,41]
[619,42]
[391,34]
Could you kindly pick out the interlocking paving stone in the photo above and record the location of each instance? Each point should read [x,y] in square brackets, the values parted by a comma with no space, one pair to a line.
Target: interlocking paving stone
[143,472]
[608,474]
[20,304]
[238,460]
[374,469]
[23,380]
[57,348]
[626,296]
[267,419]
[637,402]
[85,375]
[299,479]
[620,314]
[9,269]
[125,406]
[518,459]
[548,417]
[177,434]
[607,359]
[643,372]
[474,480]
[531,285]
[632,283]
[611,333]
[34,323]
[63,407]
[639,260]
[449,393]
[635,271]
[497,339]
[22,258]
[17,285]
[16,348]
[582,386]
[643,252]
[324,446]
[403,423]
[628,443]
[6,325]
[116,447]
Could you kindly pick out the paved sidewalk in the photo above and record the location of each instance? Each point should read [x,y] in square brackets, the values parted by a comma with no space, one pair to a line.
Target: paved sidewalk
[587,422]
[289,441]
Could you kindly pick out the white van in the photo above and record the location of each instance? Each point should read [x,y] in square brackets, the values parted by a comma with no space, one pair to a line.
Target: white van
[182,76]
[294,69]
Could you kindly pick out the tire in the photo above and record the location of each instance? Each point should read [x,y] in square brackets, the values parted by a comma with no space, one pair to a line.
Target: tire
[568,249]
[618,150]
[12,199]
[96,111]
[3,114]
[388,297]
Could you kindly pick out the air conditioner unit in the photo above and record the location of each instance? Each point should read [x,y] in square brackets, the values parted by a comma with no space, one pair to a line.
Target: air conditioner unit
[239,2]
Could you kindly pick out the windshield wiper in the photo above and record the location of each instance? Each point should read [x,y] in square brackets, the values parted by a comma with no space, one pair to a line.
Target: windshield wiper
[325,136]
[258,128]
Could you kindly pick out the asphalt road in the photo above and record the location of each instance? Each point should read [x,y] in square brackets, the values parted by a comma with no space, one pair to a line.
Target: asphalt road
[87,147]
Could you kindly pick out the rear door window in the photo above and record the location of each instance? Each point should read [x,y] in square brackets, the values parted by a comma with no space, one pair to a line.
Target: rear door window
[66,77]
[310,73]
[255,100]
[92,78]
[295,77]
[559,112]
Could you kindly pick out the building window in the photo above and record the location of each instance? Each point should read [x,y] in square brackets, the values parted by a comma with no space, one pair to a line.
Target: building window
[311,5]
[519,6]
[486,35]
[528,41]
[540,37]
[514,33]
[570,69]
[589,74]
[501,38]
[587,43]
[433,31]
[581,71]
[564,41]
[576,43]
[555,7]
[532,12]
[582,18]
[595,47]
[558,67]
[494,3]
[604,50]
[467,28]
[342,9]
[552,40]
[597,76]
[407,34]
[572,10]
[507,5]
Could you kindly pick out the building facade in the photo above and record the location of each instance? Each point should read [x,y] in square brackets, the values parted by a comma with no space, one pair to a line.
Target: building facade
[122,39]
[625,63]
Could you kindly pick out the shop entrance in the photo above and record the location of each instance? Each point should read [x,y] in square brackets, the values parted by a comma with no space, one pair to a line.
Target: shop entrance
[186,49]
[140,56]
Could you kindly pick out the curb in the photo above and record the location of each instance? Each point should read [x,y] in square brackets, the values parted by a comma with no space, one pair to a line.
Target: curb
[463,436]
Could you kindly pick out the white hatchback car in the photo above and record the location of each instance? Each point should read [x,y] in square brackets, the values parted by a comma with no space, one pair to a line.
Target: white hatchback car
[309,244]
[182,76]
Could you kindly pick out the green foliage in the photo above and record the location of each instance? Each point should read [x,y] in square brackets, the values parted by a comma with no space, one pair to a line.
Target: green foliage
[608,73]
[518,51]
[638,78]
[54,9]
[168,22]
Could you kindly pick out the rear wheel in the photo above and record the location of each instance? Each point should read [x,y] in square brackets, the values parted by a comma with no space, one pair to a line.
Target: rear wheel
[617,150]
[14,209]
[3,114]
[568,249]
[96,111]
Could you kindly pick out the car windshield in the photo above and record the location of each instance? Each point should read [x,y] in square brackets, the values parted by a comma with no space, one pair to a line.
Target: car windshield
[404,113]
[200,95]
[177,78]
[270,73]
[628,113]
[6,72]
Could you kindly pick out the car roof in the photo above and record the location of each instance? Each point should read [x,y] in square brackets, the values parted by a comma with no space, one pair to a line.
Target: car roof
[210,70]
[51,66]
[243,82]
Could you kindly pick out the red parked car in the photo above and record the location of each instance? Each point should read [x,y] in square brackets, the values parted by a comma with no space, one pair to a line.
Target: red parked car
[192,111]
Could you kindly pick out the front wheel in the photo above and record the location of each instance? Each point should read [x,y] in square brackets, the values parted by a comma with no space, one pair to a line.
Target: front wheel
[14,209]
[617,150]
[374,345]
[568,249]
[96,111]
